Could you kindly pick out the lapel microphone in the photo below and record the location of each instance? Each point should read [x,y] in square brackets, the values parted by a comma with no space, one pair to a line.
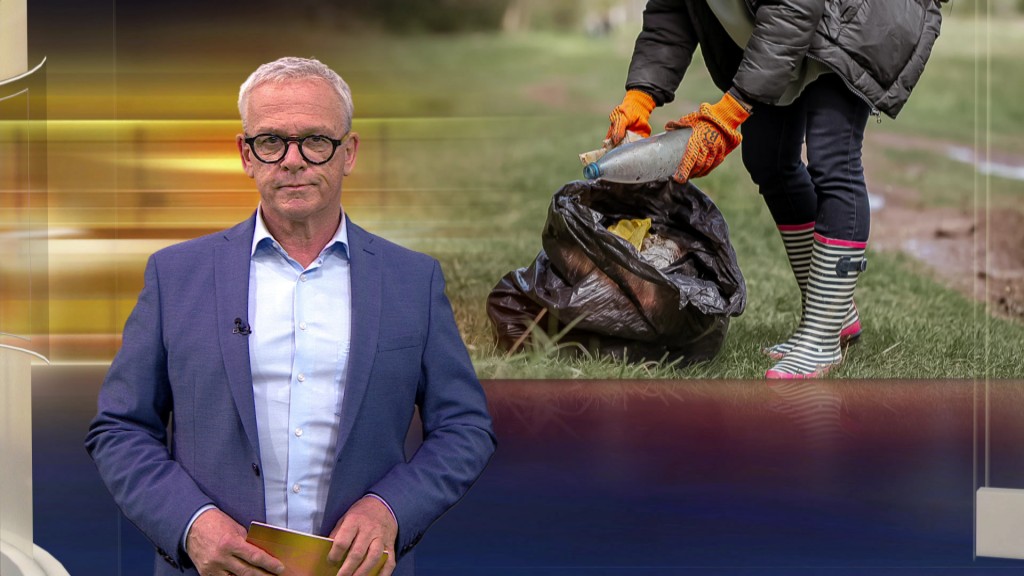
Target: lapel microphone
[241,328]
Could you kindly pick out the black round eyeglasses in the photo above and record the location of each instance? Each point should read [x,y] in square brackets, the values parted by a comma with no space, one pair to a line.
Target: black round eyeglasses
[315,149]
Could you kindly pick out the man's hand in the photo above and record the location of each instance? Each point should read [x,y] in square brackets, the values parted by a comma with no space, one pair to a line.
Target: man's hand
[715,134]
[362,536]
[633,115]
[217,546]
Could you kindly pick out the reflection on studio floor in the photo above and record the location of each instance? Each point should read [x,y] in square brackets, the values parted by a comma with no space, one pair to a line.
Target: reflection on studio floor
[647,477]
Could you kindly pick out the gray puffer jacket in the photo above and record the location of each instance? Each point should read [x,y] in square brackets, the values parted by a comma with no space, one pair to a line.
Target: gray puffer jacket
[879,47]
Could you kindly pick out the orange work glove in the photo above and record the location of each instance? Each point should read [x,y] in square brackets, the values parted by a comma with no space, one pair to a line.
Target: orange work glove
[633,115]
[715,134]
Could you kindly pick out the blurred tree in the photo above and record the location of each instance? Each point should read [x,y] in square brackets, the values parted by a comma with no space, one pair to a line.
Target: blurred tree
[595,17]
[454,16]
[517,16]
[434,16]
[523,15]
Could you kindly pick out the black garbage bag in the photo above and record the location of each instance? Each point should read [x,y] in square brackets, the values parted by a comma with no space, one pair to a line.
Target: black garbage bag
[596,287]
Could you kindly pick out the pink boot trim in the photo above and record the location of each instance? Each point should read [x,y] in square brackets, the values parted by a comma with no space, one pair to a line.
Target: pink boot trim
[837,242]
[821,372]
[850,334]
[796,227]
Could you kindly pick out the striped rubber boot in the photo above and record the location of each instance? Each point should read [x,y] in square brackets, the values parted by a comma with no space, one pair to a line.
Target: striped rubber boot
[798,240]
[835,266]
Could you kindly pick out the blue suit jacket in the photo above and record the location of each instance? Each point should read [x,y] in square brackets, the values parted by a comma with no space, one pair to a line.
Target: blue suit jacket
[181,363]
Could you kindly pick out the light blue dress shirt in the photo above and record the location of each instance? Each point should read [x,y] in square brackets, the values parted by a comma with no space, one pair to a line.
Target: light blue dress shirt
[301,322]
[298,351]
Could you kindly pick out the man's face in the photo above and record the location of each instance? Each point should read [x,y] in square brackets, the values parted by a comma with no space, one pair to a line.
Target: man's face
[293,189]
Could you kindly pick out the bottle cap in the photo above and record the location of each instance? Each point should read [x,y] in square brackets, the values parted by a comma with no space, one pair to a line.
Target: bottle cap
[592,171]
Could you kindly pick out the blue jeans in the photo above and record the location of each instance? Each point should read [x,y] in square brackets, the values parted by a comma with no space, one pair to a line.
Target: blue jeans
[829,189]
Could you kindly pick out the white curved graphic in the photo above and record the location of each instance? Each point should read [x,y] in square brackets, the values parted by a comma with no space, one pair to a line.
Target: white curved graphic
[19,555]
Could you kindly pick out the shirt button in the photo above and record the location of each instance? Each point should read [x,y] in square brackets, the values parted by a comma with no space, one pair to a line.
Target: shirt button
[302,325]
[302,377]
[303,278]
[298,432]
[295,488]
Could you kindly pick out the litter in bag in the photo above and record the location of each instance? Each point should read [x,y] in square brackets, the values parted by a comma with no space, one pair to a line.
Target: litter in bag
[672,304]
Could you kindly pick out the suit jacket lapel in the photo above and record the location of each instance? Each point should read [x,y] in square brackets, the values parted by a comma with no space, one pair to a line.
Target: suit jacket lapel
[232,294]
[365,269]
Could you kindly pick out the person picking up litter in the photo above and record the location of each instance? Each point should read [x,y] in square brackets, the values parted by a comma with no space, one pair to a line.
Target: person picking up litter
[793,73]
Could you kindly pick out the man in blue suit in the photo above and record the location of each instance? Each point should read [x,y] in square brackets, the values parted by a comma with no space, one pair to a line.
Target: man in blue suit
[288,355]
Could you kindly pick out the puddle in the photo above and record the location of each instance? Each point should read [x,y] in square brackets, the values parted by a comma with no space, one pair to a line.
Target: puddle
[967,156]
[876,202]
[981,255]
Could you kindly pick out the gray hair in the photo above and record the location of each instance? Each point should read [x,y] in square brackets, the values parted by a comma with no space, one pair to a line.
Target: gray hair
[291,68]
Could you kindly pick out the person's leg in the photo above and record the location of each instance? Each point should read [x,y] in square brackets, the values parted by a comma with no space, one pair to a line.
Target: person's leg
[836,119]
[798,239]
[772,153]
[773,140]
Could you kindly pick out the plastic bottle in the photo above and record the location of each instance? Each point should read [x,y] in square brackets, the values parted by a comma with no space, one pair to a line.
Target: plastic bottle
[653,158]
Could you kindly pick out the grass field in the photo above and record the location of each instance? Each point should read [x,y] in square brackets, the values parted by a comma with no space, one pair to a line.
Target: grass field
[466,138]
[497,175]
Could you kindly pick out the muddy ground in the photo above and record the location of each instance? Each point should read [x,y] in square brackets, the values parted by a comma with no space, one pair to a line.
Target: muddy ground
[978,251]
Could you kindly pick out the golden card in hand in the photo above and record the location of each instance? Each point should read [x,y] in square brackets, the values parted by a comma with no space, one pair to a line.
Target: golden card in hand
[302,554]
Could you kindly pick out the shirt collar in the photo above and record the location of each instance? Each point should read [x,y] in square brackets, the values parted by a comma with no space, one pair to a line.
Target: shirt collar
[261,235]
